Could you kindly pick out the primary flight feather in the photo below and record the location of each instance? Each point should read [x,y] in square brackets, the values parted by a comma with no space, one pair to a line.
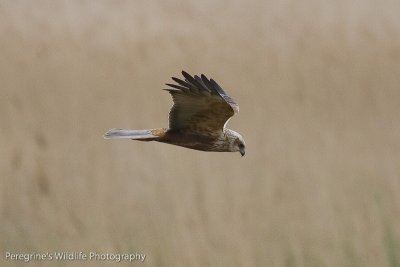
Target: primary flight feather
[197,119]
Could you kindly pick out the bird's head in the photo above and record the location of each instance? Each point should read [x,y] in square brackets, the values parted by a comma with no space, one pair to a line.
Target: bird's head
[237,142]
[241,146]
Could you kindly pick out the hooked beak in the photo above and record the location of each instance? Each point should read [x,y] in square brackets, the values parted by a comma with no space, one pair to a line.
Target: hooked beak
[242,152]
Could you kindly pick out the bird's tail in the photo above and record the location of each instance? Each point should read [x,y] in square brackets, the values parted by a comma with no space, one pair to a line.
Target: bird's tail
[144,135]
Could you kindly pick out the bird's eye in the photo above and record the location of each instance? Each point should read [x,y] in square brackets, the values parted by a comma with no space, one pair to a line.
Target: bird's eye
[241,146]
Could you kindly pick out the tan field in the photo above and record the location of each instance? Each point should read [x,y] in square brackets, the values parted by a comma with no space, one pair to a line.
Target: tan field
[318,83]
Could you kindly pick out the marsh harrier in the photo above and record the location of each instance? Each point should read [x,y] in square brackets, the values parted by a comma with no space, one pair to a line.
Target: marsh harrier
[197,119]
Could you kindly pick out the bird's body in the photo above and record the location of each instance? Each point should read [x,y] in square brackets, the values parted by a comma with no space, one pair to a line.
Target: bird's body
[197,119]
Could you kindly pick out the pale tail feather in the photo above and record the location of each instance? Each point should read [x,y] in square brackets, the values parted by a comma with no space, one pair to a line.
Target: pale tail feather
[129,134]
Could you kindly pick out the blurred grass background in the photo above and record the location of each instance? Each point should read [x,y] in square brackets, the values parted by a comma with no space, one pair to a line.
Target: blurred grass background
[318,87]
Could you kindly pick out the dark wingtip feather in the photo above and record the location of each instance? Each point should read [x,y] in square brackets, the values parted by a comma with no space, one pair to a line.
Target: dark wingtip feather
[208,84]
[187,76]
[188,85]
[190,79]
[176,86]
[200,81]
[217,87]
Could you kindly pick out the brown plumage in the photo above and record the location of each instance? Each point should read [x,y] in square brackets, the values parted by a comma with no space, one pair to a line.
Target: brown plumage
[197,119]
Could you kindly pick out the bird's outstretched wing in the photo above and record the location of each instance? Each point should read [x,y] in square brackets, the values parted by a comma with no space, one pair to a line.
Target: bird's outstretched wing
[201,106]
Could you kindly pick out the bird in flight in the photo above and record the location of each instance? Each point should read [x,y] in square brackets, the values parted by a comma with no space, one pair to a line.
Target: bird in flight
[197,119]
